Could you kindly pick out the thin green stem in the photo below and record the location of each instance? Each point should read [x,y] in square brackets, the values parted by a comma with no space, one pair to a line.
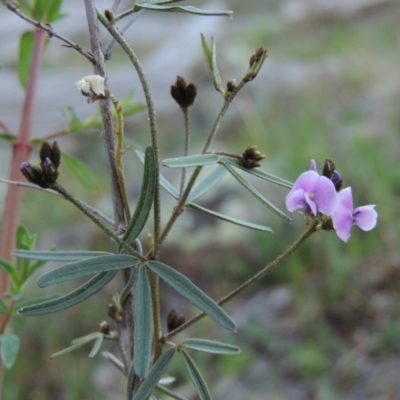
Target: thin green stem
[58,188]
[119,142]
[185,112]
[255,278]
[152,120]
[225,106]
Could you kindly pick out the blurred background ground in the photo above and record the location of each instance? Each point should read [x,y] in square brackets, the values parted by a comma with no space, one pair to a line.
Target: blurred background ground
[325,325]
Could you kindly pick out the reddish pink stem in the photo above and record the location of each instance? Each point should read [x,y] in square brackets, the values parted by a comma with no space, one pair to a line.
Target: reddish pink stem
[21,151]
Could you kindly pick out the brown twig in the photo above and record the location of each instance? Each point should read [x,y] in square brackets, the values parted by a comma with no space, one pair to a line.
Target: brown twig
[49,30]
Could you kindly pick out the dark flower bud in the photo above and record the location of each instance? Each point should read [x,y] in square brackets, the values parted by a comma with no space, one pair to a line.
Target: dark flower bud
[104,328]
[331,173]
[55,155]
[256,61]
[182,93]
[113,313]
[251,157]
[45,151]
[173,321]
[33,174]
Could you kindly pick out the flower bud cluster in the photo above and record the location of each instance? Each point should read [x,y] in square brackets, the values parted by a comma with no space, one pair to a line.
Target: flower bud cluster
[46,173]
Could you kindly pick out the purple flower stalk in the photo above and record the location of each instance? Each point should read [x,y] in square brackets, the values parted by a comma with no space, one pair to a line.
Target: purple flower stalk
[312,193]
[344,217]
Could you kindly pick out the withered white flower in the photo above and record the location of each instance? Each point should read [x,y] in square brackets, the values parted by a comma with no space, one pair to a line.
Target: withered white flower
[94,83]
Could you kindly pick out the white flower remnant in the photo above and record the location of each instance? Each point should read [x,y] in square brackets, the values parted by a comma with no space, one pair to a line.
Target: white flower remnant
[92,83]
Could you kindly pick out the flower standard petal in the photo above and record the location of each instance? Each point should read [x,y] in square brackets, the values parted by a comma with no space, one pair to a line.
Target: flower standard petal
[306,181]
[365,217]
[295,200]
[325,195]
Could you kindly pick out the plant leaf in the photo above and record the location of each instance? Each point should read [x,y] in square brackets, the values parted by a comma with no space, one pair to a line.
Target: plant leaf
[230,219]
[210,56]
[164,182]
[79,342]
[155,375]
[183,9]
[75,124]
[9,269]
[113,360]
[253,191]
[78,295]
[207,183]
[191,292]
[196,377]
[85,267]
[9,348]
[260,174]
[25,57]
[146,197]
[8,136]
[58,255]
[210,346]
[168,392]
[142,332]
[3,307]
[191,161]
[85,177]
[96,346]
[38,300]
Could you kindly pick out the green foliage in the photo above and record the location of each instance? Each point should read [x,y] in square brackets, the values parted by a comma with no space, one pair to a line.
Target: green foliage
[210,346]
[154,375]
[89,266]
[181,9]
[97,337]
[72,298]
[196,377]
[146,197]
[210,55]
[9,346]
[25,57]
[191,161]
[83,174]
[191,292]
[142,333]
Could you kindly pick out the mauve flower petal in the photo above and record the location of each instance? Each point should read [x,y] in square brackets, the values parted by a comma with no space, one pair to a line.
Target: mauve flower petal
[313,165]
[365,217]
[311,203]
[342,220]
[306,181]
[325,195]
[345,198]
[295,200]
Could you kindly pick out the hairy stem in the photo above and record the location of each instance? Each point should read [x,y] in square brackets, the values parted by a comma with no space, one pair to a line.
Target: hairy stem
[185,112]
[255,278]
[106,115]
[152,120]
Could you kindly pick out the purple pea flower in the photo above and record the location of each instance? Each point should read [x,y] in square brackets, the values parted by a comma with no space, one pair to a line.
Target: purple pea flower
[344,217]
[312,193]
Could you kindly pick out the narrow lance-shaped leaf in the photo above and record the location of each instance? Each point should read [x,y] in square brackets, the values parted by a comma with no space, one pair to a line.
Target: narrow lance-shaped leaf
[58,255]
[9,348]
[183,9]
[207,183]
[197,160]
[169,393]
[155,374]
[25,57]
[114,360]
[142,332]
[78,295]
[259,173]
[253,191]
[230,219]
[210,56]
[145,202]
[164,182]
[83,174]
[210,346]
[79,342]
[85,267]
[190,291]
[196,377]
